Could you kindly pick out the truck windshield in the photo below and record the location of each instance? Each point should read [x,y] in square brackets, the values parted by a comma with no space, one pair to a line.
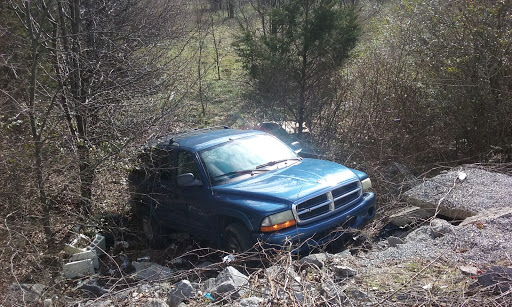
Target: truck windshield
[245,156]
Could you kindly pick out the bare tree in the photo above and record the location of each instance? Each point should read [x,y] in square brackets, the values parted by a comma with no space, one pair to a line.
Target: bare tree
[98,76]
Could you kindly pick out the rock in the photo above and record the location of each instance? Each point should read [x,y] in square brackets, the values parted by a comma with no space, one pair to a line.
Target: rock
[251,301]
[230,281]
[469,270]
[91,288]
[436,229]
[208,285]
[440,227]
[498,279]
[410,216]
[394,241]
[342,255]
[182,290]
[315,260]
[330,288]
[151,271]
[421,234]
[280,273]
[488,215]
[344,271]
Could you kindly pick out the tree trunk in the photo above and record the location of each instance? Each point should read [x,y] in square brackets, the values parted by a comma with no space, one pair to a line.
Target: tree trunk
[36,136]
[216,47]
[231,9]
[86,171]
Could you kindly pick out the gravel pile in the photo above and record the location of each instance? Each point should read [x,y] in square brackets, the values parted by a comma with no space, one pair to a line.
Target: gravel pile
[485,241]
[479,245]
[479,190]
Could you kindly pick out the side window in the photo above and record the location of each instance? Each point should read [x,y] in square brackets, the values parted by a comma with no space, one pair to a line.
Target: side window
[166,167]
[187,164]
[160,164]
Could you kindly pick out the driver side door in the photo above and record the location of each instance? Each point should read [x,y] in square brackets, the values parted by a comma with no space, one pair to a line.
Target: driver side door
[195,196]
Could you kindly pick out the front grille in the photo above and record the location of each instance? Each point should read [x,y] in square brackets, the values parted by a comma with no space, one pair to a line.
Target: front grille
[344,189]
[339,198]
[314,207]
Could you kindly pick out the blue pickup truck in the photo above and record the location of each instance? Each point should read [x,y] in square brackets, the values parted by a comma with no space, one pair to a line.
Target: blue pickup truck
[240,187]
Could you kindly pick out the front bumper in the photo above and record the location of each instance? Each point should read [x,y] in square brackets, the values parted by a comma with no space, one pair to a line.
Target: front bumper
[302,238]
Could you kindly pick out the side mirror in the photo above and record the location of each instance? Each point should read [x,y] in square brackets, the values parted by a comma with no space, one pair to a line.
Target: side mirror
[188,180]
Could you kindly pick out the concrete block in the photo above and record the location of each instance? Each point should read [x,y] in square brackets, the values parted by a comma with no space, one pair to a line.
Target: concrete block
[98,245]
[86,255]
[70,249]
[78,268]
[411,216]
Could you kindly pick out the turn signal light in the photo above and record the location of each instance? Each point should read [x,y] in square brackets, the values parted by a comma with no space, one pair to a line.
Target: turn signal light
[278,226]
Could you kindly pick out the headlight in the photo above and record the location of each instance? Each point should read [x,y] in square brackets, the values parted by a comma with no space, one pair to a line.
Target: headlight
[366,184]
[278,221]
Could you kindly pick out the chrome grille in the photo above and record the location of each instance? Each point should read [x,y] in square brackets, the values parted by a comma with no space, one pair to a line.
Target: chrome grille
[339,198]
[313,207]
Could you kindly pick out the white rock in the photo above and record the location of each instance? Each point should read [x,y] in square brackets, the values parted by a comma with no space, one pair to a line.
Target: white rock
[462,176]
[469,270]
[251,301]
[427,287]
[230,281]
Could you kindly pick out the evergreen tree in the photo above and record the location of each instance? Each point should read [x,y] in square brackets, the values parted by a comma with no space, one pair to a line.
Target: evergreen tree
[295,54]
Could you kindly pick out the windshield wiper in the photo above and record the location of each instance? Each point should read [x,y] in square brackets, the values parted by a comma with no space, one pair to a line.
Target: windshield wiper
[247,171]
[275,162]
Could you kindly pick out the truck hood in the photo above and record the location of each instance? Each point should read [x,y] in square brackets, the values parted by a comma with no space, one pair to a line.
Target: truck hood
[288,184]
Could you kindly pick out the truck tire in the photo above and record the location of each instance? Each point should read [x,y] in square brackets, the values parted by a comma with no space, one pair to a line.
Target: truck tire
[237,238]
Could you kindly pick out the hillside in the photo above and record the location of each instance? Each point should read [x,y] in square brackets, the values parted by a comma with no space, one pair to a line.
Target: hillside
[409,92]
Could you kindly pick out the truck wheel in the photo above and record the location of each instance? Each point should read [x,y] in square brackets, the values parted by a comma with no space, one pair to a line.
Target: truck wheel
[237,238]
[152,232]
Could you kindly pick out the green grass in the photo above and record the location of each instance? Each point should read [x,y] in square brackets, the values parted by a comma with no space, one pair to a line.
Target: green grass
[221,98]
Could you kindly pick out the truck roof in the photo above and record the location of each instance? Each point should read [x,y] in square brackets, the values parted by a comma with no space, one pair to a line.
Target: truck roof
[202,138]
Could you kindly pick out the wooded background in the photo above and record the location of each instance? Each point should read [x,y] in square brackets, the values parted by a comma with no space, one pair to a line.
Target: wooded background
[84,84]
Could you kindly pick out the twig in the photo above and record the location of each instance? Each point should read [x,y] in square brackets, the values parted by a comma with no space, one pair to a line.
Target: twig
[444,196]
